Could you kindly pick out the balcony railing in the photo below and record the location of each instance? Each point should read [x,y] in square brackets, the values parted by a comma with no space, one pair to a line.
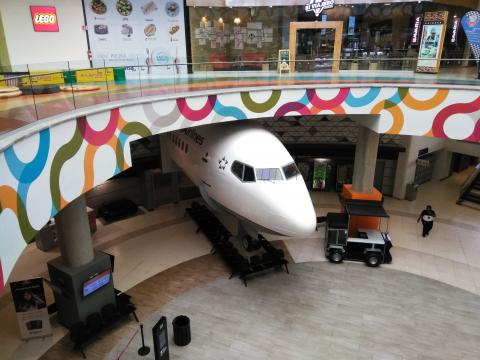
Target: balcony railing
[33,92]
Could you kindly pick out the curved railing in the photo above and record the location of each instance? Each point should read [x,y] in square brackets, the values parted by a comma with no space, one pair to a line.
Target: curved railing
[55,88]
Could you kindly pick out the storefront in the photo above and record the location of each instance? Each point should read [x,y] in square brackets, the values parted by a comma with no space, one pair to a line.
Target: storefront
[379,31]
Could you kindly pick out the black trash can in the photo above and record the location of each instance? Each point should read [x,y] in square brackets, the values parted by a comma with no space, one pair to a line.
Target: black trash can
[181,330]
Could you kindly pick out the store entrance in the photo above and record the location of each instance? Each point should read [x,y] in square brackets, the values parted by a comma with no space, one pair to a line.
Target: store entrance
[314,49]
[312,44]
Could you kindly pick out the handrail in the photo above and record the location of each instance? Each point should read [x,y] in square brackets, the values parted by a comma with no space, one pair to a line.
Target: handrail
[240,62]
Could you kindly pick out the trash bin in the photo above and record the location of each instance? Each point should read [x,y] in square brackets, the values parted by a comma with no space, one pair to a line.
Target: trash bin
[181,330]
[411,192]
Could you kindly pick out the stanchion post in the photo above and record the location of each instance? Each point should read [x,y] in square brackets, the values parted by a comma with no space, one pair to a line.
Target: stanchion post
[144,350]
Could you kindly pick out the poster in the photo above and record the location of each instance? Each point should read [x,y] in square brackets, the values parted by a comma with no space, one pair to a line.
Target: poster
[31,308]
[431,45]
[322,174]
[351,25]
[283,60]
[471,26]
[149,33]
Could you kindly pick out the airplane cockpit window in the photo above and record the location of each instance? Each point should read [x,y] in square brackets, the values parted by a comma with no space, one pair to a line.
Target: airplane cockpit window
[243,172]
[248,174]
[237,169]
[269,174]
[290,171]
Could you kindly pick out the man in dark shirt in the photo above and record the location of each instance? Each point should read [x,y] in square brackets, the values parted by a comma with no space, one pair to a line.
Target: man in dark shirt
[427,217]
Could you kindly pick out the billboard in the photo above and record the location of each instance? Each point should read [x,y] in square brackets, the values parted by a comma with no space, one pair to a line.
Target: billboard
[132,33]
[44,18]
[431,45]
[31,308]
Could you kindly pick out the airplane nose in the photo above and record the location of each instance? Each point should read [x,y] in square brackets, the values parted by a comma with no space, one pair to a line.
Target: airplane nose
[297,215]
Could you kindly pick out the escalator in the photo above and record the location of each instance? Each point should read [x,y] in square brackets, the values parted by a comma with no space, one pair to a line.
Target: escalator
[471,189]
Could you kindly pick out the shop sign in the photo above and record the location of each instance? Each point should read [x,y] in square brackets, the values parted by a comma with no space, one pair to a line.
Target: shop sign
[42,78]
[94,75]
[453,39]
[317,6]
[283,60]
[471,26]
[416,29]
[44,18]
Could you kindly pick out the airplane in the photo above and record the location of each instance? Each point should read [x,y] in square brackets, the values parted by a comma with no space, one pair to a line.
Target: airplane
[243,169]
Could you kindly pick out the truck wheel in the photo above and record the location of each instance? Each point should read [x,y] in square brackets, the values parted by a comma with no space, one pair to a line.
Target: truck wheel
[372,259]
[336,256]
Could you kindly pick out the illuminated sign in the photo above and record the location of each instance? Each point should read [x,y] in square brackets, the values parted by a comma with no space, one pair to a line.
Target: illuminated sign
[416,29]
[44,18]
[456,20]
[317,6]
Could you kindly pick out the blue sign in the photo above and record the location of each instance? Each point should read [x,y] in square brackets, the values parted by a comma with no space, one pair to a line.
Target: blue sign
[471,26]
[351,25]
[323,31]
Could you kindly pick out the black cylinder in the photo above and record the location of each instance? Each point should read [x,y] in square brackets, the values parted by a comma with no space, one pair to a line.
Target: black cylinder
[181,330]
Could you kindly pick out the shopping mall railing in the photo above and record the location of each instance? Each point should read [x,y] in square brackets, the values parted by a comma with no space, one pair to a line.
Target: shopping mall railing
[32,92]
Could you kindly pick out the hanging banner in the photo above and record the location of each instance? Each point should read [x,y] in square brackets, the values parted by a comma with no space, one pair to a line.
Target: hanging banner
[149,34]
[431,45]
[31,308]
[471,26]
[417,25]
[351,25]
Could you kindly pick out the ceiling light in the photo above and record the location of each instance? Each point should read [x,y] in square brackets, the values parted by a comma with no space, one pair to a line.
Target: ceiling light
[237,21]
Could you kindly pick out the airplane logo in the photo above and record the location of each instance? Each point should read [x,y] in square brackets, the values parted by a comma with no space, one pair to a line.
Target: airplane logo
[222,163]
[317,6]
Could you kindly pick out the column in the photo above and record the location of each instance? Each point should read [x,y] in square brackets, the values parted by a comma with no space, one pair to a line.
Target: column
[73,233]
[365,159]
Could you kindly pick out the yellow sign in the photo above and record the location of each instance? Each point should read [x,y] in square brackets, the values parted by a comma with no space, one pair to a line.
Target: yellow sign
[42,78]
[94,75]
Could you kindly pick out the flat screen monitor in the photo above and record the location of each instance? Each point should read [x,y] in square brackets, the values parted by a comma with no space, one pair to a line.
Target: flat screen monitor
[96,282]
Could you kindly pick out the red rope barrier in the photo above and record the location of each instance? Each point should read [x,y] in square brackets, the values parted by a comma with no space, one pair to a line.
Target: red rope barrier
[128,344]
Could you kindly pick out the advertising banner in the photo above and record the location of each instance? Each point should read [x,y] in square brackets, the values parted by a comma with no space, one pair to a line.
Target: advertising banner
[44,18]
[417,26]
[431,45]
[94,75]
[471,26]
[351,25]
[132,33]
[31,308]
[42,78]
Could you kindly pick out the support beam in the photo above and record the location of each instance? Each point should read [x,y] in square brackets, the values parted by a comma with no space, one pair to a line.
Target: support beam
[365,159]
[73,233]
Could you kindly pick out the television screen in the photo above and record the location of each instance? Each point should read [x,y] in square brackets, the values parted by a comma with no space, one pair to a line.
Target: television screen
[96,282]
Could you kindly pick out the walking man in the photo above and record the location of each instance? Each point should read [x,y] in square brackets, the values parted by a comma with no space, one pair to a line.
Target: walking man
[427,217]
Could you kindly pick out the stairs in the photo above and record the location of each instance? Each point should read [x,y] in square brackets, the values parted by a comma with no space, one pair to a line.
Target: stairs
[471,189]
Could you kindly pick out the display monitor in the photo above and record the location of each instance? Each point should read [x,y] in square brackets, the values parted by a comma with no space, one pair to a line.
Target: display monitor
[96,282]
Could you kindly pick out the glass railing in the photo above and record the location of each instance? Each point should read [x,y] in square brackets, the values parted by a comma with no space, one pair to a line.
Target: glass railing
[33,92]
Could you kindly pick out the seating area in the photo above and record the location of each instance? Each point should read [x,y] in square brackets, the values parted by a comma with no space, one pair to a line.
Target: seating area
[82,333]
[219,236]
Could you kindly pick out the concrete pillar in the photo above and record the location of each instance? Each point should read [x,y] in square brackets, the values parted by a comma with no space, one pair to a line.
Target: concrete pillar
[365,159]
[73,233]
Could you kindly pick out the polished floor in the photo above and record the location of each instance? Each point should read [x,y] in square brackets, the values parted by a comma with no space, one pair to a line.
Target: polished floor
[158,241]
[322,311]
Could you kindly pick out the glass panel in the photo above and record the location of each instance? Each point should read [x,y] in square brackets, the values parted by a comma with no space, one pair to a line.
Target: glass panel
[249,174]
[269,174]
[237,169]
[290,171]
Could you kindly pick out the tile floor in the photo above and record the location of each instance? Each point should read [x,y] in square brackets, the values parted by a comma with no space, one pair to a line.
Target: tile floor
[155,241]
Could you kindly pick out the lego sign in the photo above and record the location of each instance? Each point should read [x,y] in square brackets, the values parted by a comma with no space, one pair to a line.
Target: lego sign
[44,18]
[317,6]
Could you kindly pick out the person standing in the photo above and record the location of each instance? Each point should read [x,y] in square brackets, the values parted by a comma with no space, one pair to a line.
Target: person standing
[427,216]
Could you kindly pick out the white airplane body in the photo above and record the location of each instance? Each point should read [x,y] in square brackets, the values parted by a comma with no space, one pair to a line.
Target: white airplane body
[245,170]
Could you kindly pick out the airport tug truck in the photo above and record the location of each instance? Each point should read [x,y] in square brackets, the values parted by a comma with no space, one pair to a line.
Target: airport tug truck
[369,245]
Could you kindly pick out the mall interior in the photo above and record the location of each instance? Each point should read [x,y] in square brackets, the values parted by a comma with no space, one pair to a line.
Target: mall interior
[231,179]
